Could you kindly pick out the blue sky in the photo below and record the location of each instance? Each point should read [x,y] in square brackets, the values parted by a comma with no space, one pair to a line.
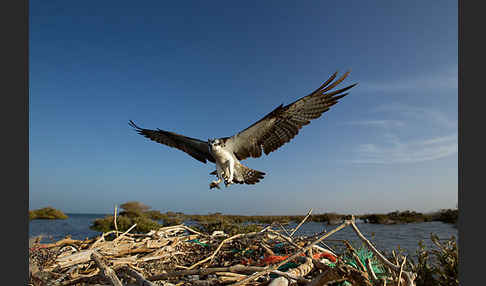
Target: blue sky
[210,69]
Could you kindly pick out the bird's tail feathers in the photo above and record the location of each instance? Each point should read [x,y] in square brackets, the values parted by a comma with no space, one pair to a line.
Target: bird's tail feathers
[245,175]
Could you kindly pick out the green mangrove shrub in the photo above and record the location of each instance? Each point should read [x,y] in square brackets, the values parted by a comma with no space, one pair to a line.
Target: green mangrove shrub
[47,213]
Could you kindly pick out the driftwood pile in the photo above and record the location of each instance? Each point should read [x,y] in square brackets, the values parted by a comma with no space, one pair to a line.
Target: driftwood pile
[179,255]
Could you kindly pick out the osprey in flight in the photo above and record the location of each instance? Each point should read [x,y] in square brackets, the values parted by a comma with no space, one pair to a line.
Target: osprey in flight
[267,135]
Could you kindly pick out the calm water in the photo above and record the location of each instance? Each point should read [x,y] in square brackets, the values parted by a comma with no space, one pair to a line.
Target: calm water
[385,237]
[76,225]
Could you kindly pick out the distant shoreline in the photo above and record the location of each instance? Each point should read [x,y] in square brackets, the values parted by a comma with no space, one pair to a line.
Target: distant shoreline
[397,217]
[149,219]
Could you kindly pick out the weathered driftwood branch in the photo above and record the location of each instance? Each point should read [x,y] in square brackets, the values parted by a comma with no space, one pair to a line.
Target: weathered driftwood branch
[232,269]
[80,278]
[322,244]
[355,256]
[77,280]
[63,242]
[114,221]
[301,223]
[290,240]
[158,257]
[321,249]
[322,279]
[303,269]
[209,282]
[102,238]
[82,256]
[141,281]
[290,276]
[295,255]
[296,273]
[395,257]
[123,234]
[267,248]
[286,238]
[284,229]
[381,257]
[107,271]
[370,270]
[401,271]
[266,228]
[334,282]
[228,277]
[179,227]
[230,274]
[211,257]
[129,260]
[205,271]
[341,270]
[279,281]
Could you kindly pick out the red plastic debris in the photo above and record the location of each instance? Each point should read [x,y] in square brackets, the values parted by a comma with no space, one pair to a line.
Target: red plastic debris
[326,255]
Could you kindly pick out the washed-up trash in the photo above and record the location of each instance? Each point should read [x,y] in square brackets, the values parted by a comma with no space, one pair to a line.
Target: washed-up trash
[180,255]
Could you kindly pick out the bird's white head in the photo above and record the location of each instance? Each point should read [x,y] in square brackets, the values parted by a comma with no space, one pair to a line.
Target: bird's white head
[215,144]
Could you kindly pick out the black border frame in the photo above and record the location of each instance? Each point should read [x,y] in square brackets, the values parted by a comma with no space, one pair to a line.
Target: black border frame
[15,140]
[470,122]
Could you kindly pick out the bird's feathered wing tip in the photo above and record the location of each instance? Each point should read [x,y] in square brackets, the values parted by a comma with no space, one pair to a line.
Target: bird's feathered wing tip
[196,148]
[284,122]
[133,125]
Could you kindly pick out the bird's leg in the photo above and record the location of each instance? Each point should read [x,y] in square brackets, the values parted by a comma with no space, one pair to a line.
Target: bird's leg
[228,180]
[225,173]
[230,173]
[215,184]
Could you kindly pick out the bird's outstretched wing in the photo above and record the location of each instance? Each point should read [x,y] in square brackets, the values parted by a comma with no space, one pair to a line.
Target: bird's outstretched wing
[196,148]
[283,123]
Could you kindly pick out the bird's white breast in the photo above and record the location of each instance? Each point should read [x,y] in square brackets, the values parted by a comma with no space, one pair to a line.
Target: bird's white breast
[222,156]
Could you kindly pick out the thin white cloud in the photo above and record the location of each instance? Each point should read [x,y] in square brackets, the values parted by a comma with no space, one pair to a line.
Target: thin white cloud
[444,79]
[420,113]
[395,150]
[383,123]
[410,133]
[439,140]
[392,148]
